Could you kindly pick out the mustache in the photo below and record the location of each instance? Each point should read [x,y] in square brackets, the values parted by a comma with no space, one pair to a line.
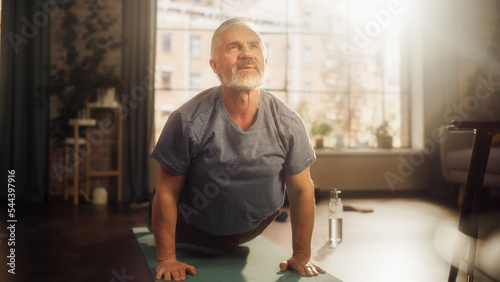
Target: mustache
[246,62]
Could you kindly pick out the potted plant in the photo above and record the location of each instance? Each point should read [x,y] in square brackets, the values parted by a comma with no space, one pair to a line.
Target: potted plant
[319,130]
[384,135]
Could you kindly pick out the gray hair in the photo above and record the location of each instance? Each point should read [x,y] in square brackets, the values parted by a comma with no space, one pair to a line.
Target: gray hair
[228,24]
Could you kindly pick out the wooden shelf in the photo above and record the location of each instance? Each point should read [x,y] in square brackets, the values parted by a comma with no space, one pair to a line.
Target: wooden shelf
[104,172]
[84,142]
[71,141]
[83,122]
[97,105]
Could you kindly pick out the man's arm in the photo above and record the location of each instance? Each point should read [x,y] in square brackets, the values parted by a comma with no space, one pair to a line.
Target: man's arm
[300,190]
[164,220]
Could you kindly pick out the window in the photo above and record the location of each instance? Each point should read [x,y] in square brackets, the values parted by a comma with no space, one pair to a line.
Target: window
[195,81]
[308,92]
[166,42]
[166,79]
[343,62]
[195,46]
[268,51]
[307,57]
[306,21]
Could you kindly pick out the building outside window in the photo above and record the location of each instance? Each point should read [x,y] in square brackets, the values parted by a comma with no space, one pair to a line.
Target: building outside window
[349,69]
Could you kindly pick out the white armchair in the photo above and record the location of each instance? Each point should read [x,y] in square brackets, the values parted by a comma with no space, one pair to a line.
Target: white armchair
[455,149]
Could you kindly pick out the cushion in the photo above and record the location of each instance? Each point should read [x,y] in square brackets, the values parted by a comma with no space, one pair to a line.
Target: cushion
[459,160]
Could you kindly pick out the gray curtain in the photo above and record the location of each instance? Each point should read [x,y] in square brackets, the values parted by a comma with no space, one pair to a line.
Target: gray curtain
[139,24]
[24,108]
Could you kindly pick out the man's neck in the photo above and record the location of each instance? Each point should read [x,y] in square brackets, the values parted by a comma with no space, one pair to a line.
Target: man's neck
[242,106]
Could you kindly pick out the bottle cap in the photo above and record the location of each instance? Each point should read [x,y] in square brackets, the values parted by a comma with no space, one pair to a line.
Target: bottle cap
[334,193]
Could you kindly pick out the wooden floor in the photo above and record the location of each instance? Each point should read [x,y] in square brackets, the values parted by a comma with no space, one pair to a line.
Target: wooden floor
[402,240]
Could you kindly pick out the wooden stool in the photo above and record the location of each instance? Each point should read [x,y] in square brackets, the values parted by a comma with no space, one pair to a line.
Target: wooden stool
[84,142]
[76,142]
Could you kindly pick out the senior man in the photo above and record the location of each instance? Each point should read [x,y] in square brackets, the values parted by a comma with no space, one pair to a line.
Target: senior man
[227,157]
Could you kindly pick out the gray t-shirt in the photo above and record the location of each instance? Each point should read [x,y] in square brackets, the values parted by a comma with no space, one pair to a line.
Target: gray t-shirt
[234,179]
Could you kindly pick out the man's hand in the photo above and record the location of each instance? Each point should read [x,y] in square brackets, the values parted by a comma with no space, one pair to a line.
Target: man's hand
[300,190]
[302,265]
[172,268]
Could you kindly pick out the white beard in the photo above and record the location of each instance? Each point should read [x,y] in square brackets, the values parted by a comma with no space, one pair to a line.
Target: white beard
[244,82]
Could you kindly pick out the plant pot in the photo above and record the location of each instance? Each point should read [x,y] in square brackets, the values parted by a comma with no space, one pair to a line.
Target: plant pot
[106,96]
[319,143]
[384,141]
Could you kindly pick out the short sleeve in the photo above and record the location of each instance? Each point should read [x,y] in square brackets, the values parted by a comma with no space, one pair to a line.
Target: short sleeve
[300,153]
[173,148]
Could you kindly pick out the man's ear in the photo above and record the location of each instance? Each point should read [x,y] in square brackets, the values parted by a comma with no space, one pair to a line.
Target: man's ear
[214,66]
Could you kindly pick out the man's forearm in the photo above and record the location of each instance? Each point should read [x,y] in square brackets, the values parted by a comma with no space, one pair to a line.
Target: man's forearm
[302,218]
[164,220]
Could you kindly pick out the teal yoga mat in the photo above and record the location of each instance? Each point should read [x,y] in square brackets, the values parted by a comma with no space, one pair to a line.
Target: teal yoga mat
[257,260]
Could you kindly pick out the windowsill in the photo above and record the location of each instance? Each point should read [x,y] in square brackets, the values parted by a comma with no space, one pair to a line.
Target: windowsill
[354,152]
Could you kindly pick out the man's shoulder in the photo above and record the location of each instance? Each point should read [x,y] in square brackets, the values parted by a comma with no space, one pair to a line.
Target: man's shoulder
[278,107]
[200,104]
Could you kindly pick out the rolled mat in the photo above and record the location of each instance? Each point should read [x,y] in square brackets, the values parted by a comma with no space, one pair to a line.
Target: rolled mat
[257,260]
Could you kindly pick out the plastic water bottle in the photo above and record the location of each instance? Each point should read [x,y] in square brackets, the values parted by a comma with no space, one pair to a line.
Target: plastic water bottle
[335,218]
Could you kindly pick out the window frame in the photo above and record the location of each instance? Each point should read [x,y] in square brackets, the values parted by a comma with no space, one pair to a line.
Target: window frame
[405,98]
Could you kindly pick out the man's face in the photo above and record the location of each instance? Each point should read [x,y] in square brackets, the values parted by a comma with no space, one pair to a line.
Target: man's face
[240,62]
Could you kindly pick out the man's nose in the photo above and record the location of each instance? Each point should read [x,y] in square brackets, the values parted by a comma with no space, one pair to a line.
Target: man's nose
[246,52]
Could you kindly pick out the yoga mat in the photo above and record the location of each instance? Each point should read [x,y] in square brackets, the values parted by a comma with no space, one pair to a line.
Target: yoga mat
[257,260]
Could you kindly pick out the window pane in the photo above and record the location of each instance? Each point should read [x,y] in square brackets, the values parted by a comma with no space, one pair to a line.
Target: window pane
[275,75]
[338,62]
